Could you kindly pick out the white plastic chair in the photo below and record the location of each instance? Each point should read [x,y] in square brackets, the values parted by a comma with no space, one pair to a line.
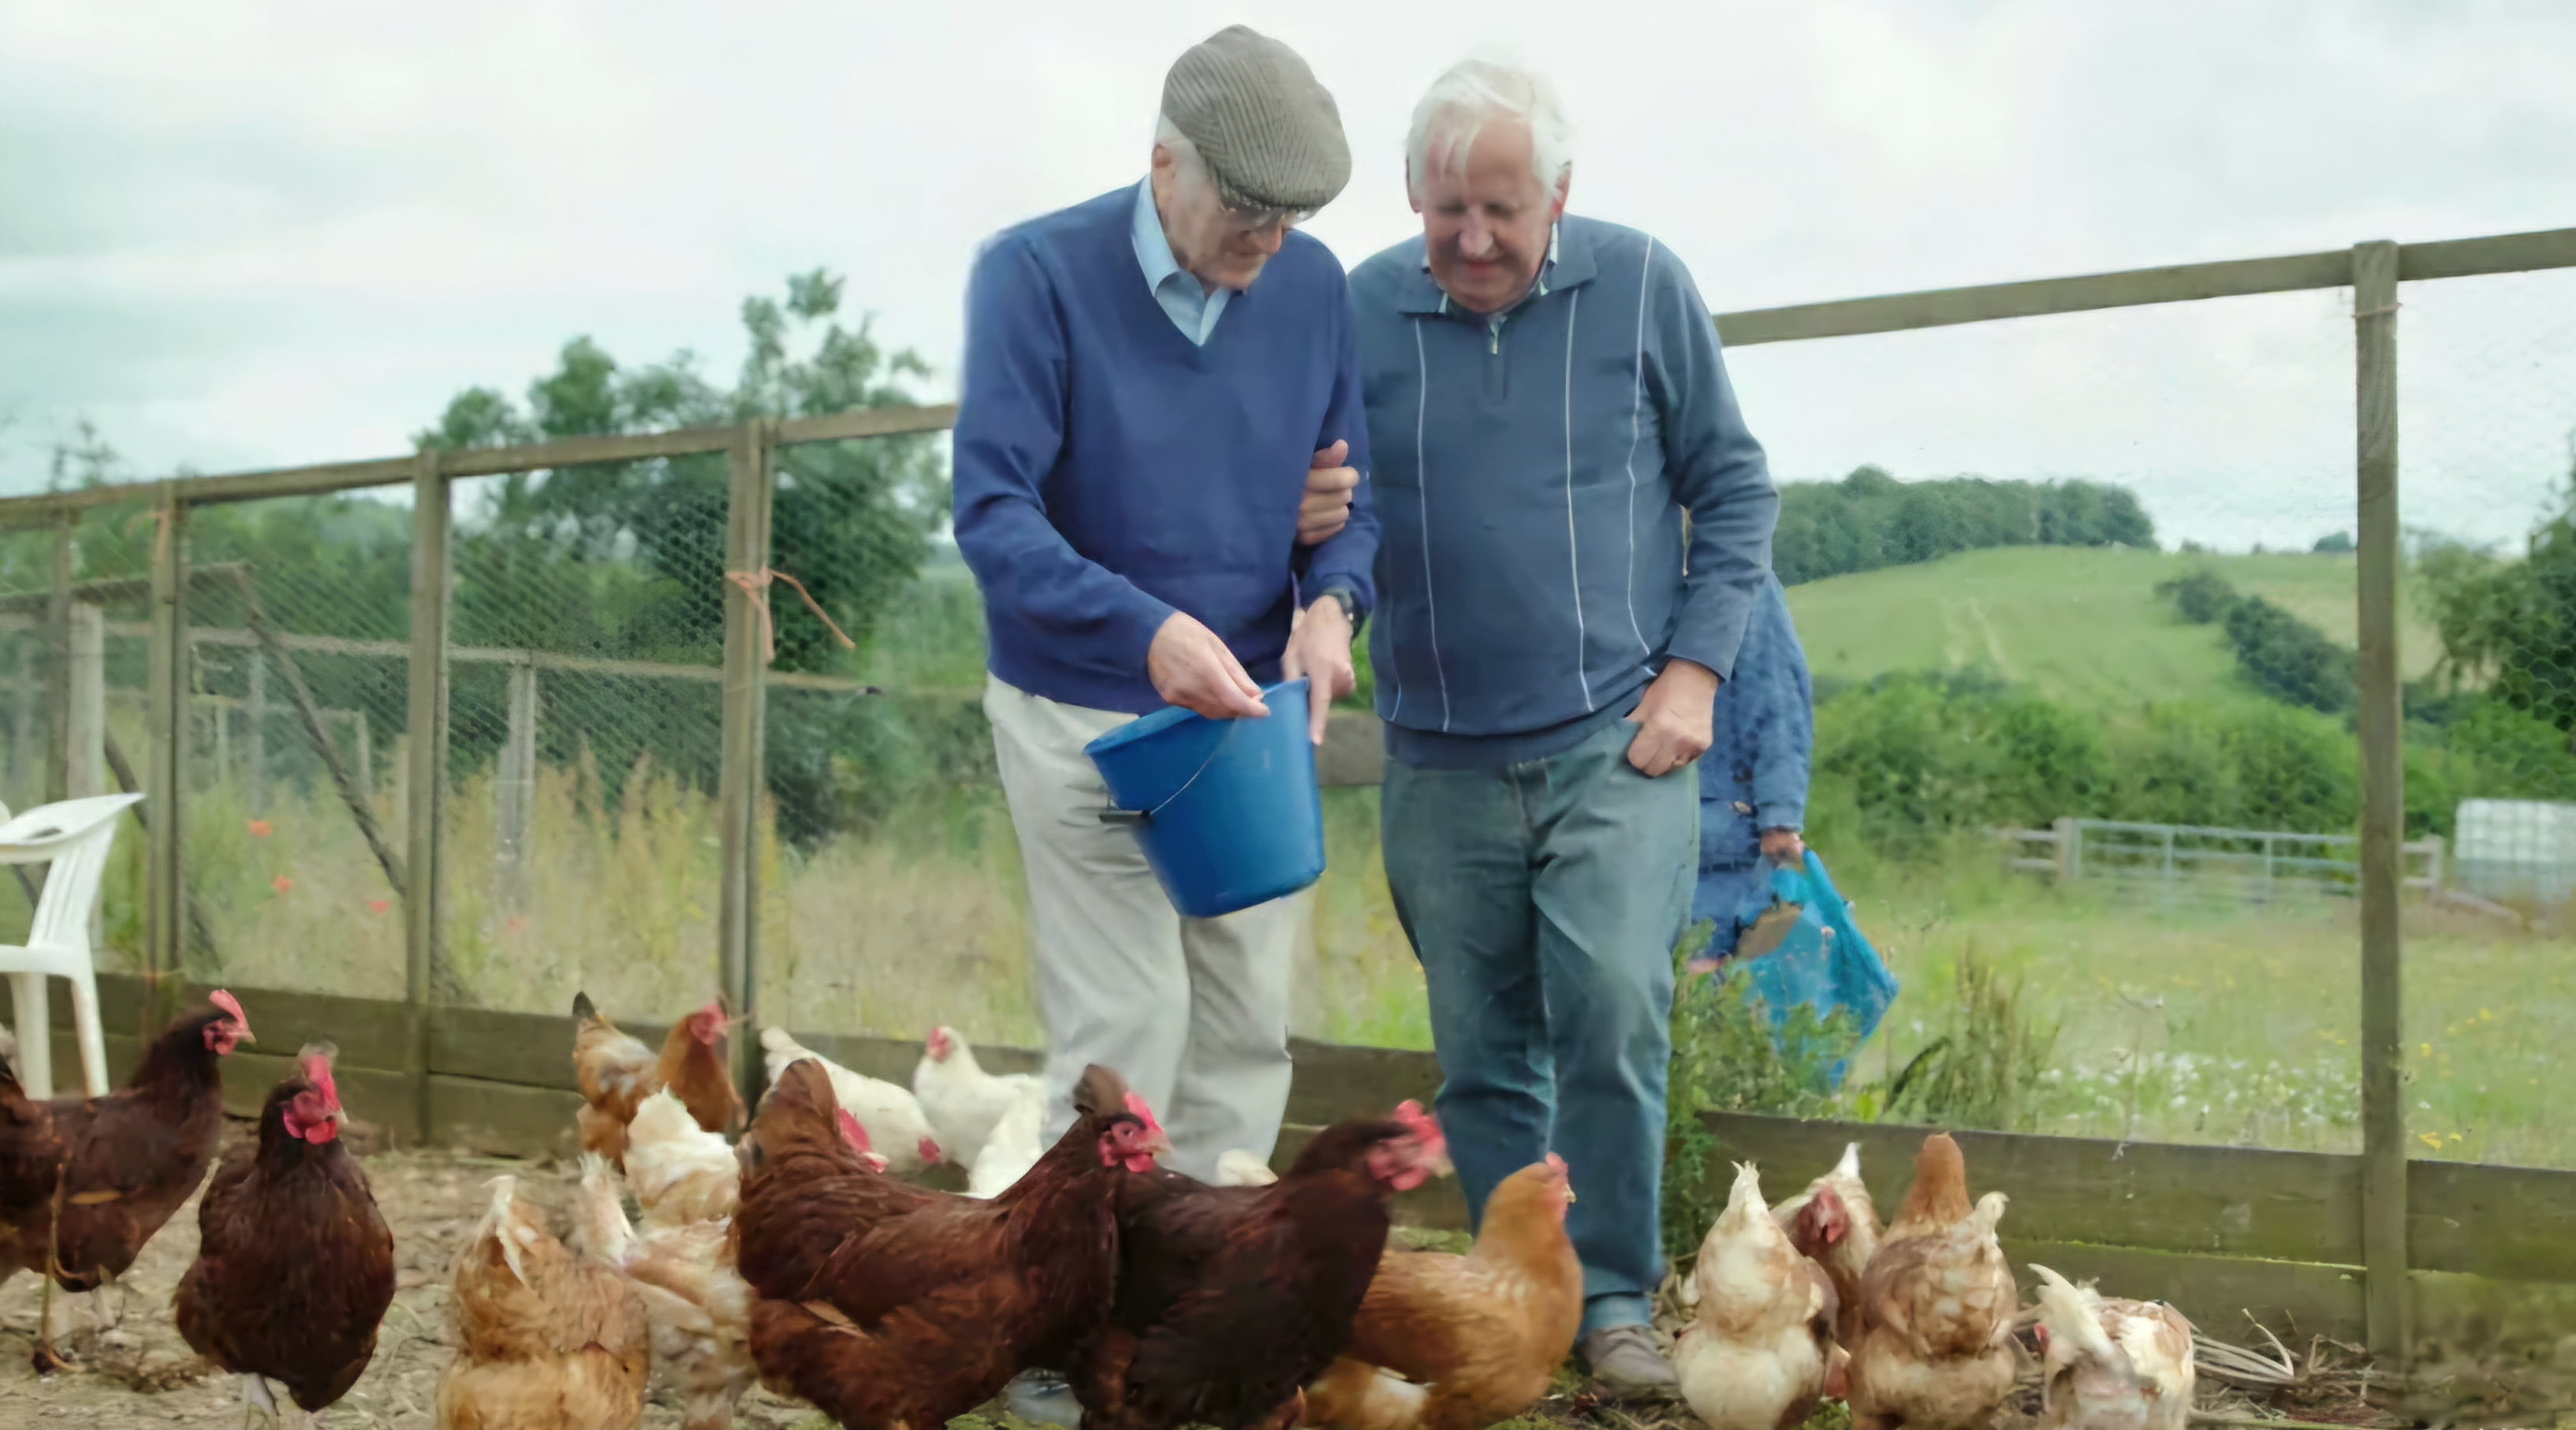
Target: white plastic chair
[74,837]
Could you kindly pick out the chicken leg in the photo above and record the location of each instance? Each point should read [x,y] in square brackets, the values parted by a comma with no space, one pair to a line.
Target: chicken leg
[255,1398]
[45,1360]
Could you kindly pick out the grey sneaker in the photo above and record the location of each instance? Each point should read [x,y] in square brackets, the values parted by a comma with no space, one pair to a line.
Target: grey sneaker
[1625,1360]
[1043,1398]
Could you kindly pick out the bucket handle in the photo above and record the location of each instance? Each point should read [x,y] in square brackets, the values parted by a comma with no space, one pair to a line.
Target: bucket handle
[1134,818]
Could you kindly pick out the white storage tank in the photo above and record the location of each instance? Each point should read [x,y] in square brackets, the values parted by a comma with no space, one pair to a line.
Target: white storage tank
[2520,851]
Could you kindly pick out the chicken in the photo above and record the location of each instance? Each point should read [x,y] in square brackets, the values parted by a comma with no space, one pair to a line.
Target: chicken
[85,1182]
[617,1073]
[547,1338]
[1449,1342]
[1834,1224]
[892,1115]
[681,1172]
[2111,1365]
[1757,1354]
[1937,1306]
[1231,1299]
[1239,1168]
[295,1266]
[962,1100]
[895,1307]
[1009,1152]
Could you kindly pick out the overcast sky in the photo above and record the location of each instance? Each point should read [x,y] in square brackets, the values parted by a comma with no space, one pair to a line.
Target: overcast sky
[256,234]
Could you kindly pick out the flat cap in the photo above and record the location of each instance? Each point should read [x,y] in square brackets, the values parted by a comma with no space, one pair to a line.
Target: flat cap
[1270,134]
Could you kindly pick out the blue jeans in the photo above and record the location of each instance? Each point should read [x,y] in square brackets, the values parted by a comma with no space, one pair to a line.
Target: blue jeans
[1544,899]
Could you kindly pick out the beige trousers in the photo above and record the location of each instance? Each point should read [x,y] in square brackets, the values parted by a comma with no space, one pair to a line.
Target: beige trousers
[1193,1013]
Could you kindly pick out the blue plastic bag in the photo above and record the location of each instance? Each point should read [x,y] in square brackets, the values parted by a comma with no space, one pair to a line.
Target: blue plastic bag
[1800,948]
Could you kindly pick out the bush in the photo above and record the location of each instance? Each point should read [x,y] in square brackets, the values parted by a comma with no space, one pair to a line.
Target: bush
[1984,1067]
[1728,1058]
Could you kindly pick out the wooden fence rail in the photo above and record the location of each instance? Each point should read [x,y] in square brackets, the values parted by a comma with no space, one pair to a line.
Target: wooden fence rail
[2254,861]
[443,1099]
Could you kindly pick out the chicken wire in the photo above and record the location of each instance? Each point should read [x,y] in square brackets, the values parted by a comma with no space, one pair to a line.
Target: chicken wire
[582,848]
[1969,700]
[2487,423]
[111,564]
[298,678]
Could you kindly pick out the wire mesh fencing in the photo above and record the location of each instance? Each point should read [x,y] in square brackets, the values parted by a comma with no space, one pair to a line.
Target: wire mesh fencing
[2487,409]
[2078,594]
[297,696]
[585,654]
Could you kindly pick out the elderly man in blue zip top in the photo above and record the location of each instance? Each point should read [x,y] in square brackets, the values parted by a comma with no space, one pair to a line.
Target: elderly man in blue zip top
[1151,379]
[1753,783]
[1548,401]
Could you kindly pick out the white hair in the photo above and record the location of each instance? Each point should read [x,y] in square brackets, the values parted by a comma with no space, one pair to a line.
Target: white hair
[1473,94]
[1192,166]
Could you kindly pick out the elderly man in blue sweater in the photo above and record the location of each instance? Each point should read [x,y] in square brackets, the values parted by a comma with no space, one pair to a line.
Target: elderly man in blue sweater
[1548,402]
[1150,377]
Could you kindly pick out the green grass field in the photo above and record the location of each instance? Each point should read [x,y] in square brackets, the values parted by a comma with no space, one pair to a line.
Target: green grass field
[2081,624]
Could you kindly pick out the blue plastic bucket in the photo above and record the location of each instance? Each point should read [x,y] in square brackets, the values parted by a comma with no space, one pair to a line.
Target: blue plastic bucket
[1227,810]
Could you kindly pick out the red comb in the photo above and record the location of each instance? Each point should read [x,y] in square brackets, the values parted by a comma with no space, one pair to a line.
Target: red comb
[1422,1124]
[317,1070]
[1144,1114]
[1556,1162]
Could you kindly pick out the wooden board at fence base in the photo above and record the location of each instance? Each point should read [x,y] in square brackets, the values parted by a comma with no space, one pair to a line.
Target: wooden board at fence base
[2226,1201]
[2217,1293]
[373,1095]
[2511,1223]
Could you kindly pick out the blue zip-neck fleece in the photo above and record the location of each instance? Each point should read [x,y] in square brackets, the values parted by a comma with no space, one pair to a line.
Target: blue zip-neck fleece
[1532,471]
[1110,471]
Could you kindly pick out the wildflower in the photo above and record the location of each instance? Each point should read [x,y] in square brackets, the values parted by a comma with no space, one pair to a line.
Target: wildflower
[259,829]
[379,906]
[2430,1139]
[281,883]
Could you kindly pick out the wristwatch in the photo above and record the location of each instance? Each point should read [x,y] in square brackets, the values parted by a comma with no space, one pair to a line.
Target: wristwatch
[1350,604]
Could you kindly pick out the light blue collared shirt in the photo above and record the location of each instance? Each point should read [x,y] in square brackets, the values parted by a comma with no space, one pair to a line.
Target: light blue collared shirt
[1192,308]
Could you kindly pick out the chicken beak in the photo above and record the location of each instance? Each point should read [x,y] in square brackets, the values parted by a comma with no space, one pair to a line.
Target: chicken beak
[1570,1198]
[1160,1145]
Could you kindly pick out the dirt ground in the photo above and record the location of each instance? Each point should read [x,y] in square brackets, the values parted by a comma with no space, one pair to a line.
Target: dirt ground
[132,1370]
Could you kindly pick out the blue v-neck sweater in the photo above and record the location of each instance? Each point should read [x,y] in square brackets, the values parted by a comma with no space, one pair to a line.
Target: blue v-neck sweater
[1109,472]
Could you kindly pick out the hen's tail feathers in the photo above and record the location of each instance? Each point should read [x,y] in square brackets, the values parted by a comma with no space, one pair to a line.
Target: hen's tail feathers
[777,1040]
[583,1008]
[2071,1313]
[600,1217]
[1849,1166]
[500,1224]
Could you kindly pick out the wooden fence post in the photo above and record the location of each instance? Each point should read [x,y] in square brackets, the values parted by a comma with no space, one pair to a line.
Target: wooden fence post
[85,676]
[255,716]
[740,783]
[165,777]
[424,915]
[2383,806]
[514,792]
[58,702]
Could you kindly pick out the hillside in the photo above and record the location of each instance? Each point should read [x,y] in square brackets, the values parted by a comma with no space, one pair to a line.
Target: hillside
[2083,624]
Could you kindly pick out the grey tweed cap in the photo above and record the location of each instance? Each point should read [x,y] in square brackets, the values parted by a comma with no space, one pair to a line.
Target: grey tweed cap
[1270,134]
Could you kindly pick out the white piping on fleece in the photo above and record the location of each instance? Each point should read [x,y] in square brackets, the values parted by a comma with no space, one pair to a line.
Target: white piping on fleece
[1573,548]
[1636,434]
[1422,498]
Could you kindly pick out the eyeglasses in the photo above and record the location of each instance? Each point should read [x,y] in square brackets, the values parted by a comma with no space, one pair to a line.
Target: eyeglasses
[1250,221]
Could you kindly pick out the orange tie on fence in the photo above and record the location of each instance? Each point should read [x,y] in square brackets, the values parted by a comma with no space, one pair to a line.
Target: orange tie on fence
[755,584]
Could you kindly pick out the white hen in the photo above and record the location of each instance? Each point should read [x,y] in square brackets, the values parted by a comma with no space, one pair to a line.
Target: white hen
[2111,1364]
[893,1117]
[681,1172]
[682,1268]
[1010,1152]
[1757,1354]
[962,1101]
[1242,1168]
